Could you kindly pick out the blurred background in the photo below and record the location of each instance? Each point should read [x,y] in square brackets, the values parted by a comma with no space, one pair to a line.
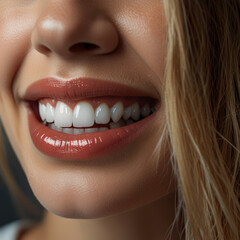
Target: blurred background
[11,207]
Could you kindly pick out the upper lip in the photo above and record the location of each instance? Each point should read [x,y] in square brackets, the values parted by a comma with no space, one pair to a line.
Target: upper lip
[79,88]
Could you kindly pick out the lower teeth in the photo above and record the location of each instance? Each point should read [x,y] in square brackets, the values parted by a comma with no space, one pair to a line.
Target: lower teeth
[77,131]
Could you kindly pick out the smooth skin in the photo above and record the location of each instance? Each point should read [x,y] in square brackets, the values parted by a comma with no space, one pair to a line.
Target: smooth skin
[124,195]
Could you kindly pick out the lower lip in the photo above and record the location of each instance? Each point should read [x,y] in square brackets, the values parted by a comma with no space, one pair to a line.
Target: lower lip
[85,146]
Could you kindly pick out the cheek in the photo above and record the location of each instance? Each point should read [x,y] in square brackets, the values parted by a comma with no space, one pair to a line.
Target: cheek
[146,33]
[15,38]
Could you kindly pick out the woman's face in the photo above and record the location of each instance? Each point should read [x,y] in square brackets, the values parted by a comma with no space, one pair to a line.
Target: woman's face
[88,65]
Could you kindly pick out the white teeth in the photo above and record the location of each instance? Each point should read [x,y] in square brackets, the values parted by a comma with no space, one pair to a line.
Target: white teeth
[68,130]
[135,111]
[103,129]
[119,124]
[102,114]
[63,115]
[83,115]
[50,113]
[63,119]
[117,111]
[113,125]
[91,130]
[145,111]
[77,131]
[127,113]
[42,111]
[54,127]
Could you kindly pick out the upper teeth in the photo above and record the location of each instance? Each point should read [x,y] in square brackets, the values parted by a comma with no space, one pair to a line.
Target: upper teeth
[84,114]
[63,115]
[102,114]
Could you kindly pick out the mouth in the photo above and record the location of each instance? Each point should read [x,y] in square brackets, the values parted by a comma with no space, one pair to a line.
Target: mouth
[83,119]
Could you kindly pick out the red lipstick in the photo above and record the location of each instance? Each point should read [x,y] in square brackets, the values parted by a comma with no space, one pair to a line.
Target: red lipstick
[86,146]
[79,88]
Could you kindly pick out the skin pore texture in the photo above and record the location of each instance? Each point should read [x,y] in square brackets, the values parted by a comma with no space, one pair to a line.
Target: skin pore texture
[121,195]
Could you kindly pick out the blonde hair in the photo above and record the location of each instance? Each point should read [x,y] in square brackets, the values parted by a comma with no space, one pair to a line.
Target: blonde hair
[202,93]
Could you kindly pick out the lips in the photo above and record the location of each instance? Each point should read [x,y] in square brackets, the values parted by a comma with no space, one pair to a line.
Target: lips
[89,144]
[79,88]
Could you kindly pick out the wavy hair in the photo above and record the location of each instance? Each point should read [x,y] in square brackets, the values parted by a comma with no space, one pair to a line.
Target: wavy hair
[202,95]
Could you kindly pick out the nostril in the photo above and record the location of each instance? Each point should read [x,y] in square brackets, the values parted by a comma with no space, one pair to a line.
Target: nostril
[89,46]
[43,49]
[83,46]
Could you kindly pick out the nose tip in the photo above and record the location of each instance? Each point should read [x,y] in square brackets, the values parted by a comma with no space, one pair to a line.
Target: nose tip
[73,32]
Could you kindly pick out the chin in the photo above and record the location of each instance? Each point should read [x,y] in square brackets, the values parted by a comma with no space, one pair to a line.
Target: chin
[91,204]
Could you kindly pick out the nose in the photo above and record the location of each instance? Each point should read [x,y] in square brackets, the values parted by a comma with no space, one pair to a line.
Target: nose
[70,27]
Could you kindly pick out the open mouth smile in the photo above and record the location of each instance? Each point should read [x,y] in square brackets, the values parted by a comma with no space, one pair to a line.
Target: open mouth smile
[83,119]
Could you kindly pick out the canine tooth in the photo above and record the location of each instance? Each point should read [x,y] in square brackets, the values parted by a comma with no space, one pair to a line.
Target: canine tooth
[68,130]
[50,113]
[42,111]
[63,115]
[77,131]
[117,111]
[102,114]
[91,130]
[135,111]
[127,113]
[83,115]
[103,129]
[145,111]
